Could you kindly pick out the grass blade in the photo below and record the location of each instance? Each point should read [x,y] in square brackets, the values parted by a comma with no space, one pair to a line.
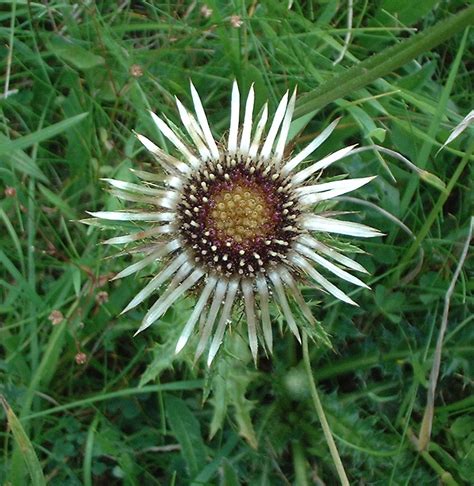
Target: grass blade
[40,135]
[24,445]
[384,62]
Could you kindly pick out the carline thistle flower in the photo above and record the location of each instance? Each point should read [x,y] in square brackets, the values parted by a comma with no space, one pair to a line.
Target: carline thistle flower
[236,223]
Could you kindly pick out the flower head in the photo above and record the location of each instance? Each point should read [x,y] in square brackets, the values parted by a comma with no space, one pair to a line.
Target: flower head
[236,21]
[10,192]
[206,12]
[80,358]
[56,317]
[102,297]
[237,224]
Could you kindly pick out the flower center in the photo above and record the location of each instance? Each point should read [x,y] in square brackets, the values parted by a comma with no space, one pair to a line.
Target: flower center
[241,212]
[237,217]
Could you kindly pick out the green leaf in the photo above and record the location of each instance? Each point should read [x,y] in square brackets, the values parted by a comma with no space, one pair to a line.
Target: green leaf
[462,427]
[229,475]
[362,119]
[420,369]
[8,146]
[433,180]
[123,392]
[219,402]
[299,124]
[24,445]
[384,62]
[243,407]
[389,303]
[20,281]
[466,465]
[230,386]
[419,78]
[76,280]
[163,357]
[76,55]
[20,161]
[58,202]
[187,431]
[378,134]
[407,12]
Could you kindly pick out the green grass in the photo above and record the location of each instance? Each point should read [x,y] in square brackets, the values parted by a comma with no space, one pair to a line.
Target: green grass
[134,414]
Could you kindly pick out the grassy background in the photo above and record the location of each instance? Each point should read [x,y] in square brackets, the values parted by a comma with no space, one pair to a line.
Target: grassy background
[92,405]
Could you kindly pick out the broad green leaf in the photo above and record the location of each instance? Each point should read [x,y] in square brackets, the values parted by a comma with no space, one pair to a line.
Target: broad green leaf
[76,55]
[187,431]
[462,427]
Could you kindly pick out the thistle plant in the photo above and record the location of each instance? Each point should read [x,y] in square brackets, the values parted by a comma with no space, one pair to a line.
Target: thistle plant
[242,221]
[83,401]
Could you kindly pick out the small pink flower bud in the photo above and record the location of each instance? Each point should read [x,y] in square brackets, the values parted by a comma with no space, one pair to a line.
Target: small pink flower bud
[80,358]
[10,192]
[236,21]
[102,297]
[136,71]
[56,317]
[206,12]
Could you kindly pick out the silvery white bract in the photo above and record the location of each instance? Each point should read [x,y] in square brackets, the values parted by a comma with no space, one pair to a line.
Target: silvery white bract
[236,223]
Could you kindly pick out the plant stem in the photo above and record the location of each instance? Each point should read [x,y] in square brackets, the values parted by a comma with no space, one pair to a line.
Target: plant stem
[299,464]
[443,197]
[321,415]
[383,62]
[427,422]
